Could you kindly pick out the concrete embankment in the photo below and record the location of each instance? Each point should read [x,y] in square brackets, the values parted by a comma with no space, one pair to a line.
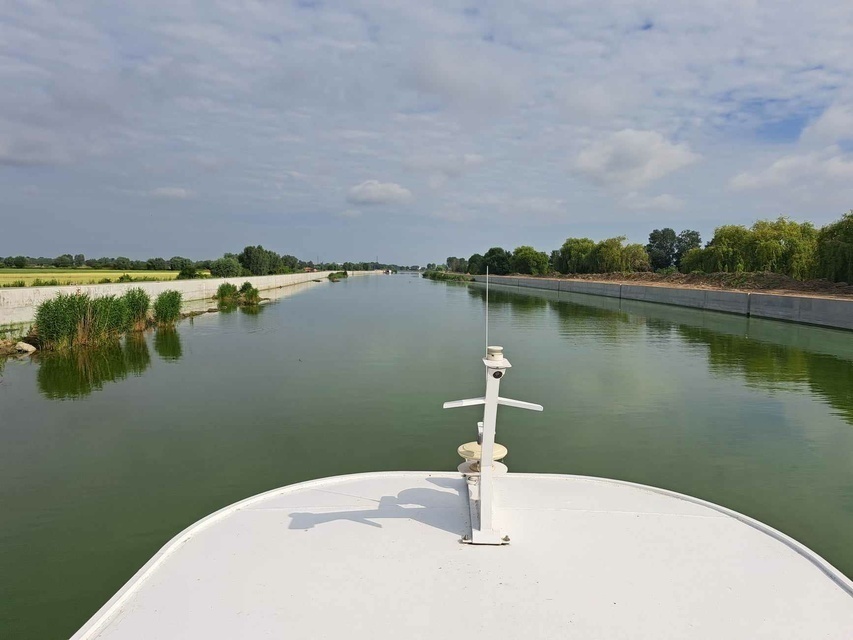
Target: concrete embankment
[18,305]
[825,312]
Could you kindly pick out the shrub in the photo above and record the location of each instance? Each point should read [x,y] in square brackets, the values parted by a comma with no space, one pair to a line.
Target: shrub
[226,292]
[138,302]
[105,281]
[667,271]
[125,277]
[167,308]
[16,283]
[188,272]
[246,286]
[38,282]
[251,296]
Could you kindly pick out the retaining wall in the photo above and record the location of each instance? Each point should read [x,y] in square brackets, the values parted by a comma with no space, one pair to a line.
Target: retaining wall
[18,304]
[825,312]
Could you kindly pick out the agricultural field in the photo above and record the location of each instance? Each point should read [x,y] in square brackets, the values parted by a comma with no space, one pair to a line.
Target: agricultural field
[49,277]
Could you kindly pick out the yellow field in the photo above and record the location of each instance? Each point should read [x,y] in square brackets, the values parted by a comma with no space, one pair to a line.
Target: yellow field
[77,276]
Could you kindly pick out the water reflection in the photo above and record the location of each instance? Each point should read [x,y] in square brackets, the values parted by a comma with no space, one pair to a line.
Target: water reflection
[772,366]
[167,344]
[79,372]
[766,354]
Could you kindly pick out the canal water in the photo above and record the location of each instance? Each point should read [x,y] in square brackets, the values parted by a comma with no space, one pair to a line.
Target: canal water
[104,456]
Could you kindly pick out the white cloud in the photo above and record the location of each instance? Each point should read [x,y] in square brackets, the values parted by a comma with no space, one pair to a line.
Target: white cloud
[815,168]
[631,159]
[662,202]
[475,78]
[834,125]
[372,192]
[172,193]
[441,168]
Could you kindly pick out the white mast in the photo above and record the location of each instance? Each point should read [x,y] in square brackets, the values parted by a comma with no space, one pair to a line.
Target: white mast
[480,472]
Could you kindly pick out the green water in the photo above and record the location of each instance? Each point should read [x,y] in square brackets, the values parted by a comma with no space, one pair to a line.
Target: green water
[106,456]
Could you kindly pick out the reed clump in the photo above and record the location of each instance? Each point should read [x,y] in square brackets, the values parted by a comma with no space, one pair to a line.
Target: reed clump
[167,308]
[72,320]
[138,302]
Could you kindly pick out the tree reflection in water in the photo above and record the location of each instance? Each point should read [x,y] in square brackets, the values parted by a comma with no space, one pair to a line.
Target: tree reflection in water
[763,360]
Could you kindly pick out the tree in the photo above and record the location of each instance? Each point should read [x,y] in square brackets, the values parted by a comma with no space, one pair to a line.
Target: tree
[606,257]
[290,263]
[64,261]
[255,260]
[476,265]
[574,256]
[20,262]
[783,246]
[79,260]
[156,264]
[457,265]
[177,263]
[121,263]
[636,258]
[225,268]
[498,261]
[662,248]
[526,259]
[687,240]
[834,251]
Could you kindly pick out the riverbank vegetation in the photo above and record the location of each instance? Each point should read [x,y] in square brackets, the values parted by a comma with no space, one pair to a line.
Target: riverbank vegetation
[229,295]
[446,276]
[797,250]
[337,275]
[167,308]
[78,320]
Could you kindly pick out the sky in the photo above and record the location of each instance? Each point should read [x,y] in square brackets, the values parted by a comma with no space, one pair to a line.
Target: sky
[412,131]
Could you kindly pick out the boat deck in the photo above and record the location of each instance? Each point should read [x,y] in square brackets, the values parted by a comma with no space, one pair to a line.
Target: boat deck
[379,556]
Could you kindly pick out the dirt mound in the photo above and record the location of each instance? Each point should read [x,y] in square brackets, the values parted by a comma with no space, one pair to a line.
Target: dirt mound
[758,281]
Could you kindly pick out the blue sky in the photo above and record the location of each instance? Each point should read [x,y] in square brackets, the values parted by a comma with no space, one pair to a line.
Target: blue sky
[414,130]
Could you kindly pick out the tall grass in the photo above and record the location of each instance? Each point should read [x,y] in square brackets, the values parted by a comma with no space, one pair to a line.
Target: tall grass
[138,302]
[167,308]
[71,320]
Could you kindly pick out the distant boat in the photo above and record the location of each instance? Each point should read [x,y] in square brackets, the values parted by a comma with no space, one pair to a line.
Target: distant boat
[479,552]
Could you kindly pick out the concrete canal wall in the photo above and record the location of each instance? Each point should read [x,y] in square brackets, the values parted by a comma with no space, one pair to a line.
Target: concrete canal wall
[18,305]
[825,312]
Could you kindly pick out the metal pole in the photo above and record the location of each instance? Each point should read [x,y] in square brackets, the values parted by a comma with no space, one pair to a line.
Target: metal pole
[487,310]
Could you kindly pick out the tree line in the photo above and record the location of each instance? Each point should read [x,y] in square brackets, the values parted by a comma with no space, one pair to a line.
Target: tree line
[796,249]
[252,261]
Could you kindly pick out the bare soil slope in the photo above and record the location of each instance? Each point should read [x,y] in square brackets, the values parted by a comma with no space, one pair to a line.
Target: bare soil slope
[764,282]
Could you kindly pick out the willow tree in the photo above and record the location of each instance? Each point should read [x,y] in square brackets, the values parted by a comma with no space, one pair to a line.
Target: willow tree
[834,252]
[574,256]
